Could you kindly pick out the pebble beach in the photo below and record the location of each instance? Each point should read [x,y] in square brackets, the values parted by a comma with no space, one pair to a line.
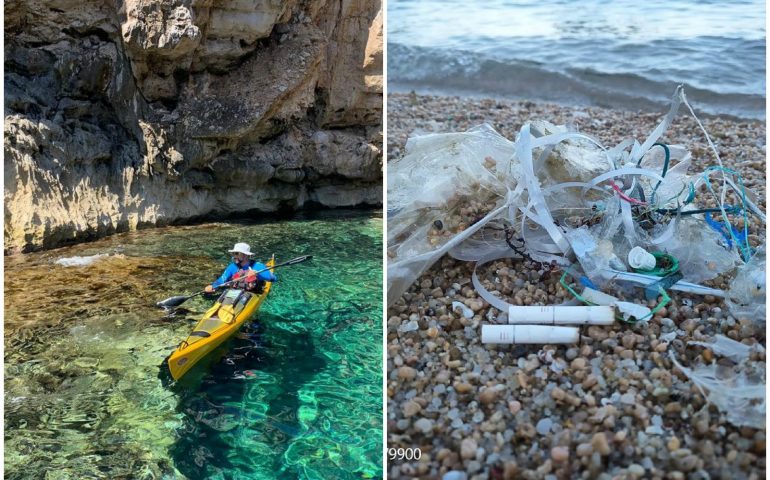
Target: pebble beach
[612,406]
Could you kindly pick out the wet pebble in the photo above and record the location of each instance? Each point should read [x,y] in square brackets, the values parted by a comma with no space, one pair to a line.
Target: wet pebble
[560,454]
[424,425]
[468,448]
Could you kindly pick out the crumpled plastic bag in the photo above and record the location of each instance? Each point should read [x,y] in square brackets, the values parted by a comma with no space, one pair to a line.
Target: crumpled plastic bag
[442,181]
[746,296]
[739,391]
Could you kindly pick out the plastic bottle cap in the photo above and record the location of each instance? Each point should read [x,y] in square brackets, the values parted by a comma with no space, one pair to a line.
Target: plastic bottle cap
[641,259]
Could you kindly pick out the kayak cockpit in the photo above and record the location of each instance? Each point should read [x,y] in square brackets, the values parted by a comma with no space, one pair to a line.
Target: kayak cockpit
[221,316]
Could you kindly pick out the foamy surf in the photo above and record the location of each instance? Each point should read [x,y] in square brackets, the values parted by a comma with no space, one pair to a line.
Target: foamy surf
[465,73]
[78,261]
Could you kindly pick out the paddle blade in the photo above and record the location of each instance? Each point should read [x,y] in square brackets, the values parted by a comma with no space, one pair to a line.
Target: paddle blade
[172,301]
[298,260]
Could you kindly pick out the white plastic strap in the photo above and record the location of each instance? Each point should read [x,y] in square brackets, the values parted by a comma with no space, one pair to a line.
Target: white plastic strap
[638,152]
[628,222]
[483,292]
[524,153]
[496,302]
[625,171]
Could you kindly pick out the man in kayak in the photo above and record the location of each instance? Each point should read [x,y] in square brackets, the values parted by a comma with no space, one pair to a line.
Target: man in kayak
[240,267]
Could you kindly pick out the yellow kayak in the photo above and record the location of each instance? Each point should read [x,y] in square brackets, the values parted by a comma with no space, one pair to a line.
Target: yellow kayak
[219,323]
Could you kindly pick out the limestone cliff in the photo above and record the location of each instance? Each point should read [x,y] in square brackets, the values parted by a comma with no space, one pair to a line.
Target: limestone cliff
[124,114]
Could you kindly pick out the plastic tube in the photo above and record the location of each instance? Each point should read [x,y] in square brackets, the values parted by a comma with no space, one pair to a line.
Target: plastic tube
[555,315]
[680,286]
[517,334]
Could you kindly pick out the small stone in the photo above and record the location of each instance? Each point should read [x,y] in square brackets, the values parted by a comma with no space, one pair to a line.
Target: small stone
[411,408]
[578,364]
[488,395]
[462,387]
[531,365]
[584,450]
[476,305]
[514,406]
[673,444]
[627,354]
[687,463]
[468,448]
[660,392]
[636,469]
[407,373]
[599,442]
[628,398]
[510,471]
[560,454]
[597,333]
[544,426]
[590,381]
[525,430]
[558,394]
[701,423]
[455,475]
[432,332]
[442,377]
[424,425]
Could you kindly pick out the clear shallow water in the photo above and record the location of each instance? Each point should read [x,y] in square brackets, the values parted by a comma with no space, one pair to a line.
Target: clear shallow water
[616,54]
[296,394]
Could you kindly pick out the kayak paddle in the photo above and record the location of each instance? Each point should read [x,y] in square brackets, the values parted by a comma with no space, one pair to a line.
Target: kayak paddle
[180,299]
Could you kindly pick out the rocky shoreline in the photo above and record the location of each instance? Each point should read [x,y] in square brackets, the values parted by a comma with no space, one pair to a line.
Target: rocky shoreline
[149,113]
[613,406]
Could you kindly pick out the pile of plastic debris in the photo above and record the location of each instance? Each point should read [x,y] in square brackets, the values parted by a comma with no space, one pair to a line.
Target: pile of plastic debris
[627,215]
[611,220]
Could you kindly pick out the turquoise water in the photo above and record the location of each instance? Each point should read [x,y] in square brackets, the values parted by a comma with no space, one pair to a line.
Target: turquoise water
[297,394]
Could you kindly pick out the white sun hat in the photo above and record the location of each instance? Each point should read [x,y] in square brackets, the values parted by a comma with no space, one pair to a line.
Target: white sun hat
[241,248]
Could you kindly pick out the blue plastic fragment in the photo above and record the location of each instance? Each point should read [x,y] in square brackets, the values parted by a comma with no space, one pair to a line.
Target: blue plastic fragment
[587,282]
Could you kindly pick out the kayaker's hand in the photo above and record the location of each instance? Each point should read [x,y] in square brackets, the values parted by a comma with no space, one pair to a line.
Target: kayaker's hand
[209,289]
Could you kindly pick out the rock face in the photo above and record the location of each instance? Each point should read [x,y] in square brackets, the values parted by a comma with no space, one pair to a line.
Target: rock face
[125,114]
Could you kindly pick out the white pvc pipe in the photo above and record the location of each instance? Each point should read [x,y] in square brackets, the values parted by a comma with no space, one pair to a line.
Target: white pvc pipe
[565,315]
[510,334]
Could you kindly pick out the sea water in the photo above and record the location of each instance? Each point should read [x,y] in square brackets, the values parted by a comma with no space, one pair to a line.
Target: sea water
[296,394]
[624,54]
